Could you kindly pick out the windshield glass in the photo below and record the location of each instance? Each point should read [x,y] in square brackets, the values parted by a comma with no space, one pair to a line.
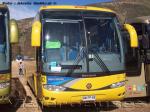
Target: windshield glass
[82,45]
[4,65]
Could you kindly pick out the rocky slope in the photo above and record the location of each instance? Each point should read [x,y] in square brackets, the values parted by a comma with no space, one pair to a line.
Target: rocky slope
[127,8]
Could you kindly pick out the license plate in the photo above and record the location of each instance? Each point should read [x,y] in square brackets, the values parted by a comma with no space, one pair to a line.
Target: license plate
[88,98]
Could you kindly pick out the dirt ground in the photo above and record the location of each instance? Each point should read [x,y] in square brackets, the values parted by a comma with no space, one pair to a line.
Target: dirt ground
[21,106]
[28,65]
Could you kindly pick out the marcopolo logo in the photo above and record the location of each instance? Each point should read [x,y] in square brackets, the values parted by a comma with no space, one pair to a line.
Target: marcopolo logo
[89,86]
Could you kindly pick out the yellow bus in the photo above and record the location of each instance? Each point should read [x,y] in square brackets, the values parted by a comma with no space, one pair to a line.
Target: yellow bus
[79,55]
[8,33]
[138,61]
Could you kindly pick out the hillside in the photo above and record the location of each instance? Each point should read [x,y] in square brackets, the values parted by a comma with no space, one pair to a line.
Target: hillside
[24,46]
[127,8]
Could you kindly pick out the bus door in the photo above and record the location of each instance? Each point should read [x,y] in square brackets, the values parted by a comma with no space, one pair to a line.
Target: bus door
[135,66]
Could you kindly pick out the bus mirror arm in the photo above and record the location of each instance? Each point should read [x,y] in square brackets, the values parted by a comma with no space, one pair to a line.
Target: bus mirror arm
[133,35]
[36,34]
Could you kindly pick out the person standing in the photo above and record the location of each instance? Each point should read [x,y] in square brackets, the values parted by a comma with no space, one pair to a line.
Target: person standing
[21,68]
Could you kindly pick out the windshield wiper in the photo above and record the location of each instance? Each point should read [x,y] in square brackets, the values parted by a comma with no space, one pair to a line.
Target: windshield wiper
[99,61]
[83,54]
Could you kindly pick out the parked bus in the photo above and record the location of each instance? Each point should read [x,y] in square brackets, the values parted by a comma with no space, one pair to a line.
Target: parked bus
[79,55]
[138,60]
[8,33]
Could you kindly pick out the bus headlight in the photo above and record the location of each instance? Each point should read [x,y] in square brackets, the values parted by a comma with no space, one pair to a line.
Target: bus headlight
[4,85]
[118,84]
[54,87]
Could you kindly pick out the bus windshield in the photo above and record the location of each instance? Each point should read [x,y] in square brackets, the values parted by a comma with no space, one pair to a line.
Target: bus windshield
[4,64]
[81,45]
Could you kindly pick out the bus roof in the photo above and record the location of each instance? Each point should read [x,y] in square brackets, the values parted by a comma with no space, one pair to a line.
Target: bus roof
[142,19]
[71,7]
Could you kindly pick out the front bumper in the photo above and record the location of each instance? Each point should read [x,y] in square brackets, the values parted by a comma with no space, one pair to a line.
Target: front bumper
[4,95]
[72,97]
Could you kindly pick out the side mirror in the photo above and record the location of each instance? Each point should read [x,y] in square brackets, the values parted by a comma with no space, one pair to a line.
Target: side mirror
[14,33]
[36,34]
[133,35]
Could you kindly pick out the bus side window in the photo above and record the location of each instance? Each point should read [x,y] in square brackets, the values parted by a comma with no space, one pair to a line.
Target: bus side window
[148,32]
[38,60]
[147,50]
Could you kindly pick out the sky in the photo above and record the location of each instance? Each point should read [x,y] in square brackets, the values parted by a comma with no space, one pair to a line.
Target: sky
[29,8]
